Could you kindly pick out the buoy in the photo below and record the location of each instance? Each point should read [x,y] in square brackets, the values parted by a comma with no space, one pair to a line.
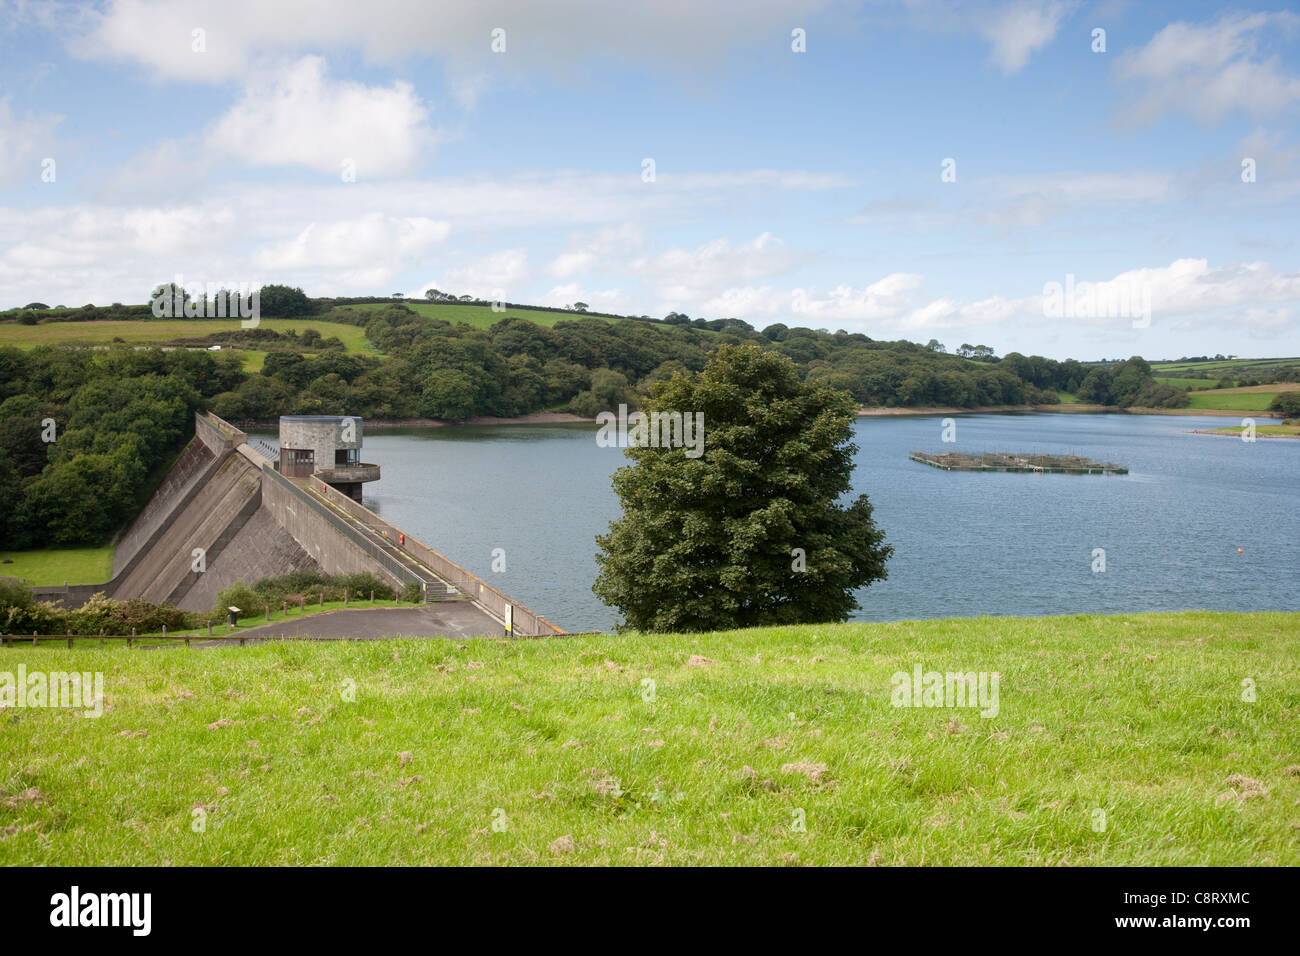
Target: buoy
[1239,551]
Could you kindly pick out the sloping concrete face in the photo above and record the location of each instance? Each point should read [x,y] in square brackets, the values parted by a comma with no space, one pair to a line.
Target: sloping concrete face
[224,502]
[257,549]
[187,474]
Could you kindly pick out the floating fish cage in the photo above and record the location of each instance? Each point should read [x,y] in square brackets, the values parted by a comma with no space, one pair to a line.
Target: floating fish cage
[1031,464]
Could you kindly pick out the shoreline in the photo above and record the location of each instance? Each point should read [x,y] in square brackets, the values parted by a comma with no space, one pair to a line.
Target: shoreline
[1065,409]
[1225,433]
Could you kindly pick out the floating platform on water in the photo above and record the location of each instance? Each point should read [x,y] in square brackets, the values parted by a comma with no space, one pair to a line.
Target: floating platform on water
[1034,464]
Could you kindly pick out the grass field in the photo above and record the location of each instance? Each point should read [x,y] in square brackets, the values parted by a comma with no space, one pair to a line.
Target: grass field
[253,359]
[1192,383]
[152,331]
[479,316]
[1118,740]
[1236,367]
[1243,399]
[52,566]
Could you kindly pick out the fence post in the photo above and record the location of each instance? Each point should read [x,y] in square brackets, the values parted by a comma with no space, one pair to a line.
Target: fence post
[101,636]
[345,597]
[372,597]
[268,614]
[33,638]
[209,628]
[164,632]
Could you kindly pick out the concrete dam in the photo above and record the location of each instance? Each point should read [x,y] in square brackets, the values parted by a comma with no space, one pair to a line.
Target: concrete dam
[227,511]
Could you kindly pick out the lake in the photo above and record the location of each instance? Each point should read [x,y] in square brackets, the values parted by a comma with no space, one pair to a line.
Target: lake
[965,544]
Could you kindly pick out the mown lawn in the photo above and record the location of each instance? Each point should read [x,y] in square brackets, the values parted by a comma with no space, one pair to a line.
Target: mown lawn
[51,566]
[1119,740]
[150,331]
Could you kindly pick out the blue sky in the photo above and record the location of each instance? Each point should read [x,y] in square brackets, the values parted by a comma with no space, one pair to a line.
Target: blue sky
[802,187]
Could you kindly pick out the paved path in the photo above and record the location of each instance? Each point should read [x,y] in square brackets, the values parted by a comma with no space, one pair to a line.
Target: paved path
[444,619]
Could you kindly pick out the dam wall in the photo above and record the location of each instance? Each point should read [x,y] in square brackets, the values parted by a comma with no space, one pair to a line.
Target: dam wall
[224,514]
[329,542]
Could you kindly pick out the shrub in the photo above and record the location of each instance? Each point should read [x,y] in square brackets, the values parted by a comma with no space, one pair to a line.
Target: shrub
[37,618]
[240,595]
[102,613]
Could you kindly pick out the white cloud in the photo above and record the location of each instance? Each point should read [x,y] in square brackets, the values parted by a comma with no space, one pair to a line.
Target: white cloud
[1187,293]
[1019,31]
[349,243]
[24,143]
[299,117]
[1211,70]
[683,276]
[488,277]
[598,300]
[554,37]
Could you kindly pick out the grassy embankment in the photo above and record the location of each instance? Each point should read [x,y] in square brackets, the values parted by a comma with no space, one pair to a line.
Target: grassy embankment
[576,757]
[54,566]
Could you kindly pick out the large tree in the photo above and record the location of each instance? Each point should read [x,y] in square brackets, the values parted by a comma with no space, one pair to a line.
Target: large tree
[752,531]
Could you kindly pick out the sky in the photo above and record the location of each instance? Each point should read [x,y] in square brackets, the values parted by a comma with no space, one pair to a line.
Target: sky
[1070,179]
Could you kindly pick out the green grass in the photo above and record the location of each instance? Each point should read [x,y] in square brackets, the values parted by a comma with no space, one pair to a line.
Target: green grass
[53,566]
[1245,401]
[151,331]
[253,359]
[1067,398]
[1280,430]
[1192,383]
[577,758]
[1233,365]
[479,316]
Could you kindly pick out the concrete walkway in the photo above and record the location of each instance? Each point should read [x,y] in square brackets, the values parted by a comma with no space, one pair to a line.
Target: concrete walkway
[455,619]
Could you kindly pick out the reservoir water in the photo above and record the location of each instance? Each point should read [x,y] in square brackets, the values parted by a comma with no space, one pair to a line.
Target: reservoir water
[965,544]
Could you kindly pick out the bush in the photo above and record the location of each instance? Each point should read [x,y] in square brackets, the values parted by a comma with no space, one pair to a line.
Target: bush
[37,618]
[411,592]
[1287,403]
[240,595]
[102,613]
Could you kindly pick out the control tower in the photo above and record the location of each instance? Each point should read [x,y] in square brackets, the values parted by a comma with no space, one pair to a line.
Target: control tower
[327,447]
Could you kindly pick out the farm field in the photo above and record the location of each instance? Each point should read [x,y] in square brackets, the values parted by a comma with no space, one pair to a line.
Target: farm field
[152,331]
[1117,740]
[1192,383]
[1233,367]
[1253,398]
[479,316]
